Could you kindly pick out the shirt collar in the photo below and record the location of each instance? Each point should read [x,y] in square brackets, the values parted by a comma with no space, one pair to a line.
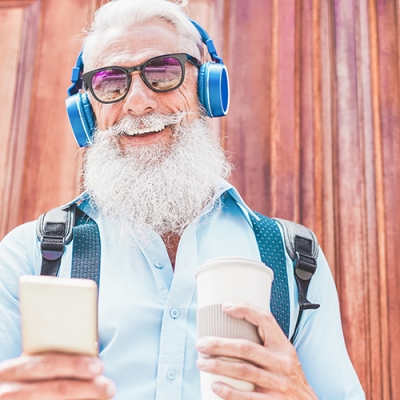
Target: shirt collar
[225,187]
[83,202]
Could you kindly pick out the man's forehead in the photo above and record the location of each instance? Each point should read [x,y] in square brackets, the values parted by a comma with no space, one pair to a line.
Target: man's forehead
[133,46]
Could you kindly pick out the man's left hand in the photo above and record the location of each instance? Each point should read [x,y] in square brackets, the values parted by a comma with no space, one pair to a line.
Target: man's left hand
[274,367]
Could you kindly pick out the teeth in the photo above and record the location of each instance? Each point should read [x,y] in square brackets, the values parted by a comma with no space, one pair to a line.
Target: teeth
[142,131]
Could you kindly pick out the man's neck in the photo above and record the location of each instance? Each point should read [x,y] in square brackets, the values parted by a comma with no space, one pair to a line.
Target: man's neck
[171,241]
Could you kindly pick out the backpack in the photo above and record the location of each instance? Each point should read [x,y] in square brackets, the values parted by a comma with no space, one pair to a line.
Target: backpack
[56,228]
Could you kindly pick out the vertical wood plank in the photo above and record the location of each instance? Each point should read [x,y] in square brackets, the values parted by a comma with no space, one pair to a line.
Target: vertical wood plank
[307,153]
[274,107]
[350,280]
[317,119]
[21,112]
[52,154]
[284,141]
[383,240]
[328,121]
[389,102]
[248,55]
[374,355]
[11,20]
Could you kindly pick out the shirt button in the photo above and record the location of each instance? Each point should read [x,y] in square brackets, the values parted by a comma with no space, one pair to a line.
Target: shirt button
[159,264]
[171,374]
[174,313]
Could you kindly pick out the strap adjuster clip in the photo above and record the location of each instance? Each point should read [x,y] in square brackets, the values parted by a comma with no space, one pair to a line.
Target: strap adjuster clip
[305,266]
[52,247]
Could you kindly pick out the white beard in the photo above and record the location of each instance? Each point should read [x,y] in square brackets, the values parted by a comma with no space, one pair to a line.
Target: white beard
[157,185]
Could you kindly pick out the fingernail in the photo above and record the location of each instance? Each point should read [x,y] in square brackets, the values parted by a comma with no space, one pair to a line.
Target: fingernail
[95,367]
[201,344]
[216,387]
[228,306]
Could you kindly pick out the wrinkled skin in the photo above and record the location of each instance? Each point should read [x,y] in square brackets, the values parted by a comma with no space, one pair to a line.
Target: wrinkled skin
[275,369]
[54,376]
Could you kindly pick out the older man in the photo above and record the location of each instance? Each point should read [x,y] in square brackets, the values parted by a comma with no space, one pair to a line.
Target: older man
[154,182]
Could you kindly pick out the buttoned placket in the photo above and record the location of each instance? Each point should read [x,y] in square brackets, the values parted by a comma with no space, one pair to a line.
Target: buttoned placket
[174,323]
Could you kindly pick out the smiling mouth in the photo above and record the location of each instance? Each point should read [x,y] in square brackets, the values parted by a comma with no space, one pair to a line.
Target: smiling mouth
[145,131]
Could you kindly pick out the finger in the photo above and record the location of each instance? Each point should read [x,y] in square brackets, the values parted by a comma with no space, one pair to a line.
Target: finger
[236,348]
[229,393]
[240,370]
[277,360]
[100,389]
[268,328]
[50,366]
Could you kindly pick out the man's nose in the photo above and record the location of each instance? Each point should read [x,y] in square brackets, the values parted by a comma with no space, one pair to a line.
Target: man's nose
[140,99]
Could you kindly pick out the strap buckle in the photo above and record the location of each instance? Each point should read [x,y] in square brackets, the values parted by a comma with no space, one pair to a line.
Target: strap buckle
[52,247]
[305,266]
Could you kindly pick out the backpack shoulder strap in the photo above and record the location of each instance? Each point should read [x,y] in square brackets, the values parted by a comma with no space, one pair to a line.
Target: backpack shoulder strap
[56,228]
[272,253]
[86,251]
[302,247]
[54,231]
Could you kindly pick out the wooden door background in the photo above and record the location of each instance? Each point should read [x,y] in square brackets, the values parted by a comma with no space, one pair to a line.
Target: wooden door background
[313,131]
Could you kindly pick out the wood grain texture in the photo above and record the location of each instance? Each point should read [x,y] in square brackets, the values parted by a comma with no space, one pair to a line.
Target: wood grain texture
[250,61]
[11,28]
[377,377]
[52,156]
[313,131]
[16,3]
[328,129]
[349,193]
[389,178]
[21,112]
[329,167]
[284,143]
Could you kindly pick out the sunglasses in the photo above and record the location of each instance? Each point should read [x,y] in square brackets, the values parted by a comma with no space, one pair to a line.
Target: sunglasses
[161,74]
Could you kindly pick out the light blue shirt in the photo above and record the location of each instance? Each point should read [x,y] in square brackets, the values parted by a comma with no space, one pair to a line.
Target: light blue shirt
[147,311]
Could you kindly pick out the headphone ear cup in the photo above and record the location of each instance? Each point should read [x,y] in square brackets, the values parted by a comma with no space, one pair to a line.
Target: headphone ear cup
[213,89]
[202,87]
[81,117]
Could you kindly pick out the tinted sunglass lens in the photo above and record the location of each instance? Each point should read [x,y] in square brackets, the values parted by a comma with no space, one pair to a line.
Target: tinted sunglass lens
[110,84]
[163,73]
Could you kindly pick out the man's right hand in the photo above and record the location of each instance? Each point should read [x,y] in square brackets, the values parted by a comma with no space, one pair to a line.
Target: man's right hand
[54,377]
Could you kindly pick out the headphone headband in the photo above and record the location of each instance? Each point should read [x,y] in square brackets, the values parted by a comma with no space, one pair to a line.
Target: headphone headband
[208,42]
[76,76]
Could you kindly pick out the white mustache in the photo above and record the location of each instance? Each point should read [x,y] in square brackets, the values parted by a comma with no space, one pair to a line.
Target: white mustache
[131,126]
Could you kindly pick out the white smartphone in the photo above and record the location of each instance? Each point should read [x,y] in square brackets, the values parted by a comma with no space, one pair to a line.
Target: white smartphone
[58,314]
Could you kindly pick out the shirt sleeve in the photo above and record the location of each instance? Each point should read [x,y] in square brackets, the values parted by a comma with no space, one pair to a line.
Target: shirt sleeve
[320,343]
[19,256]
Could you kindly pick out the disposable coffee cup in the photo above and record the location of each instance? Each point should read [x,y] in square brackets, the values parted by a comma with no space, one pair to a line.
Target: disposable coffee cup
[229,279]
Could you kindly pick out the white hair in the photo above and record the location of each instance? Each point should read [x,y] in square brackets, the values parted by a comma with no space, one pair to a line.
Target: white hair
[125,14]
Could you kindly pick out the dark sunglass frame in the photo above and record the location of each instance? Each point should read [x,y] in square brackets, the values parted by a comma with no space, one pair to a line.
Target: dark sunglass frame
[181,57]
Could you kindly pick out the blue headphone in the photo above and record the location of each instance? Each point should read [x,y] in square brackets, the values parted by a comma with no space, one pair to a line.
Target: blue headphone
[212,86]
